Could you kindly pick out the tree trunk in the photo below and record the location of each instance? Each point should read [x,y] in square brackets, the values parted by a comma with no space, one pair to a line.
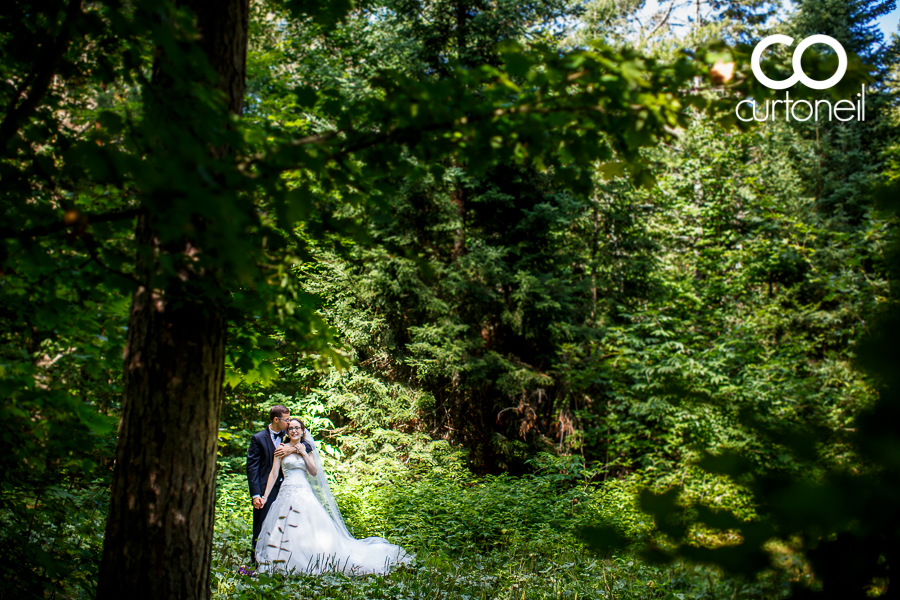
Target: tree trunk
[160,525]
[159,530]
[594,242]
[459,237]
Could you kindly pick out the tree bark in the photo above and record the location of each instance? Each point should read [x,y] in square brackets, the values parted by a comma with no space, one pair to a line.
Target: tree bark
[159,530]
[594,242]
[160,524]
[459,237]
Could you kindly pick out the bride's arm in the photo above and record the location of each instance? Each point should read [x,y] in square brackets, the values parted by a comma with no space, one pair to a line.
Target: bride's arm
[308,459]
[273,476]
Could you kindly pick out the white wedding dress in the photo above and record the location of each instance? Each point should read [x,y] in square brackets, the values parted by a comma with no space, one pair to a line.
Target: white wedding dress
[299,534]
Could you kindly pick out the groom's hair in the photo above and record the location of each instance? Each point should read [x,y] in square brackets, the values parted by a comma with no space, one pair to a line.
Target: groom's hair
[278,411]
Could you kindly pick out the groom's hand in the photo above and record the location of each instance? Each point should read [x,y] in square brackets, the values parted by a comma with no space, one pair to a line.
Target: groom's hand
[258,502]
[284,449]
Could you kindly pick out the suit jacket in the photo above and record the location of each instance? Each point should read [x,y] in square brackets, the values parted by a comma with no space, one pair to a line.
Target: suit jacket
[260,456]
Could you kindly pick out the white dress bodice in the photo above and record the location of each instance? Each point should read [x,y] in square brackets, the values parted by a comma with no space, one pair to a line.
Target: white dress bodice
[294,468]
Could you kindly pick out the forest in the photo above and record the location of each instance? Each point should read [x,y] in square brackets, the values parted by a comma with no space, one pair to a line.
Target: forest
[563,322]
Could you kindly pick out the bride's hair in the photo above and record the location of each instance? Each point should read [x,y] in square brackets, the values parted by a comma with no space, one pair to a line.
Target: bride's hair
[302,424]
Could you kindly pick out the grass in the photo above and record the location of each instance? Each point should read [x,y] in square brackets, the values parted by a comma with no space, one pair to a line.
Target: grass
[498,538]
[511,573]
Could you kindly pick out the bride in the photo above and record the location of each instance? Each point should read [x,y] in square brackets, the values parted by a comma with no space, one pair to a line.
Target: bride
[304,531]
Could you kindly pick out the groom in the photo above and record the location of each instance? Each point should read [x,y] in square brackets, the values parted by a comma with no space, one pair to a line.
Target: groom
[260,456]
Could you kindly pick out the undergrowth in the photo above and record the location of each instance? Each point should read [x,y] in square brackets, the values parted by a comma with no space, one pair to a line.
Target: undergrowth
[478,537]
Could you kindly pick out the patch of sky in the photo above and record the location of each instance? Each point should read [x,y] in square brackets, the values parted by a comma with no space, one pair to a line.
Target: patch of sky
[683,15]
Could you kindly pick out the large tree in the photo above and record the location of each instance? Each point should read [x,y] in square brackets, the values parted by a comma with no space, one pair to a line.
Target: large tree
[159,529]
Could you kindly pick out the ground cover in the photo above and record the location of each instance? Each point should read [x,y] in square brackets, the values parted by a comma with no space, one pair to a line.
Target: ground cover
[480,537]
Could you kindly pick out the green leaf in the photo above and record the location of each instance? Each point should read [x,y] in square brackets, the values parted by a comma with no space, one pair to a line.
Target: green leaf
[306,96]
[603,539]
[111,122]
[327,12]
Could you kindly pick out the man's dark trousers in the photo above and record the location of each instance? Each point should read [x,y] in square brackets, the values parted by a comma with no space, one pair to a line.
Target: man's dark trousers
[260,457]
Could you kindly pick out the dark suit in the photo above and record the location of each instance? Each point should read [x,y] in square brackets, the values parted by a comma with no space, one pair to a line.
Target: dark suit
[260,457]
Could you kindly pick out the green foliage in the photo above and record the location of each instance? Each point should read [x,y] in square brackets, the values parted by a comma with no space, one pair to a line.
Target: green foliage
[480,537]
[52,535]
[814,477]
[508,576]
[508,287]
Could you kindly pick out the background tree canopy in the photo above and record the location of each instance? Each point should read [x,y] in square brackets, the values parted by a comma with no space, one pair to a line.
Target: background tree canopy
[563,325]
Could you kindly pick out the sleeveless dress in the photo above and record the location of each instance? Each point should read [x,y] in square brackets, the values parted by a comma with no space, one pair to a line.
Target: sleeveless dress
[298,534]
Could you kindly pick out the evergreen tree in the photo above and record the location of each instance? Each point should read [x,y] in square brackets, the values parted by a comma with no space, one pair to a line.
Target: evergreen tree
[852,23]
[482,327]
[830,290]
